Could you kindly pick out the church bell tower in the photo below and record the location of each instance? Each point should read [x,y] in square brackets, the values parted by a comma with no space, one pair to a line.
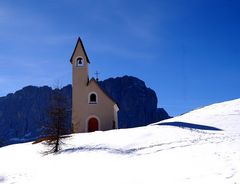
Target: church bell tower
[80,79]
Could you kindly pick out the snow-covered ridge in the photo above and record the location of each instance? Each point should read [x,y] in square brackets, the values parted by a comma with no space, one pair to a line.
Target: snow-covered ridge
[146,155]
[225,116]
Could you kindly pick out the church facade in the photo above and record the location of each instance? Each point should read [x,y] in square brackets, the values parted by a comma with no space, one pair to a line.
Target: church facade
[92,108]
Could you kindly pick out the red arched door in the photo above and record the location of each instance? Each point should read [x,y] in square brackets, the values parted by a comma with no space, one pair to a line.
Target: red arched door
[92,125]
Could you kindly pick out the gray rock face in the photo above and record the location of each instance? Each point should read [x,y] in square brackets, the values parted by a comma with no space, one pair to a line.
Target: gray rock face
[23,114]
[138,104]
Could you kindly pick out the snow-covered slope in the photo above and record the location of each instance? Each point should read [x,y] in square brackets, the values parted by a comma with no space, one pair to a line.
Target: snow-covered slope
[153,154]
[225,116]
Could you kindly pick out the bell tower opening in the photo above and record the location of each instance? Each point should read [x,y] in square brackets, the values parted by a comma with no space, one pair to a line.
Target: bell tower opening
[79,62]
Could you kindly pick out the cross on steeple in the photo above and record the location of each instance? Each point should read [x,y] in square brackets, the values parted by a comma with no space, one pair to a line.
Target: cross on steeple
[97,74]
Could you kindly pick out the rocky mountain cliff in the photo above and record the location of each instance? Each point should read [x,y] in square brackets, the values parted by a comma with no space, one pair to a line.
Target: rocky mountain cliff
[23,114]
[138,104]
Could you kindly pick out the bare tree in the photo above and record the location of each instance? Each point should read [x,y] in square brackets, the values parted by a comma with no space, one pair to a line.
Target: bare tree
[56,130]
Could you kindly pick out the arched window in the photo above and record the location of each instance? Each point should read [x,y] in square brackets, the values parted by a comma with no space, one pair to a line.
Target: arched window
[79,61]
[92,98]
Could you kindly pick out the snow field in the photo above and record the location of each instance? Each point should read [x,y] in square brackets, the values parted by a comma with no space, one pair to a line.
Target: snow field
[152,154]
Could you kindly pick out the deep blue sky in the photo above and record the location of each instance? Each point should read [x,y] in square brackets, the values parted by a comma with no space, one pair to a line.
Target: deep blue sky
[188,51]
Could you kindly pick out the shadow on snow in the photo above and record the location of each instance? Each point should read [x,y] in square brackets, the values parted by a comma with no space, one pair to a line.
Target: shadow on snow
[2,179]
[102,148]
[120,151]
[190,126]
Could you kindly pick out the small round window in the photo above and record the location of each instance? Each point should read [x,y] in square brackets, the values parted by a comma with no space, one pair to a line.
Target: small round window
[79,61]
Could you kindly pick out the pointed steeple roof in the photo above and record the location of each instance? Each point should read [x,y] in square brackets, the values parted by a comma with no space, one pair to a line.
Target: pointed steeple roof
[79,45]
